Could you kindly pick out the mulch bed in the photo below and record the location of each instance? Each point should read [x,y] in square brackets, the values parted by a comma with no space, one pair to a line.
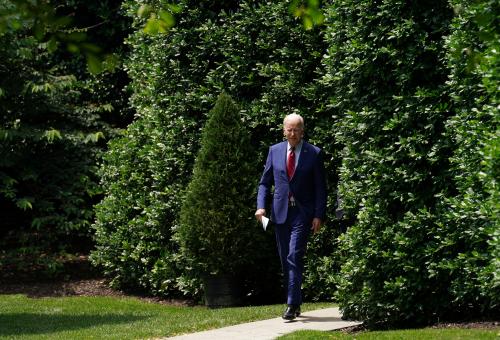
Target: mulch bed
[466,325]
[78,278]
[87,287]
[78,287]
[476,324]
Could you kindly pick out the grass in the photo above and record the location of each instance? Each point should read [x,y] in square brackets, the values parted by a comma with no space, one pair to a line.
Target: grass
[413,334]
[130,318]
[117,318]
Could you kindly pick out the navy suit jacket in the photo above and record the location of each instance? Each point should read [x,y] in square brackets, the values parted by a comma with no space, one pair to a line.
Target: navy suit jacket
[308,184]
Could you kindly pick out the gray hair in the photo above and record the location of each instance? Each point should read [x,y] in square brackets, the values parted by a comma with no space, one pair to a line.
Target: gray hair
[294,116]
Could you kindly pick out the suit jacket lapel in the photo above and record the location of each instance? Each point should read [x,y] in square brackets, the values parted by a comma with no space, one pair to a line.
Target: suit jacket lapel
[283,151]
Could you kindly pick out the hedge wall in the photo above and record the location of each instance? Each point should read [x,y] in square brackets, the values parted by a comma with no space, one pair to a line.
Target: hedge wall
[470,217]
[416,252]
[408,123]
[257,53]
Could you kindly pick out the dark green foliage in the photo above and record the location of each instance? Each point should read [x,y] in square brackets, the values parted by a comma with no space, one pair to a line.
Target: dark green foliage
[56,26]
[48,148]
[406,260]
[402,96]
[54,119]
[217,230]
[468,241]
[322,264]
[262,57]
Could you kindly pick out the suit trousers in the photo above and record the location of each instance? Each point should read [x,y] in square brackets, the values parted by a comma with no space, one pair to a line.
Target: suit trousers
[291,238]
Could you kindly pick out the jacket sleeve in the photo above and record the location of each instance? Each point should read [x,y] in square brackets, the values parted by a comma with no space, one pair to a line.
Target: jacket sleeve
[266,182]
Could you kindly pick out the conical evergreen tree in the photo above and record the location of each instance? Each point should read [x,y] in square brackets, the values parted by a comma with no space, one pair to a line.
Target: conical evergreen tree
[217,229]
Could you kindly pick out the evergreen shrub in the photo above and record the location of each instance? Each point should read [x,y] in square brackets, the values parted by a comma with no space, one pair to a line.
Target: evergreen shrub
[411,257]
[55,118]
[468,240]
[217,231]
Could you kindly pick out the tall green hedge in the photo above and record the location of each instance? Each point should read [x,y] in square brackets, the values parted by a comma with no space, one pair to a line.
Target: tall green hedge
[470,216]
[402,96]
[414,255]
[259,54]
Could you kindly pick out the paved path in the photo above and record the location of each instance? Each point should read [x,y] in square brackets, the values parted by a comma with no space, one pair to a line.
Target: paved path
[323,319]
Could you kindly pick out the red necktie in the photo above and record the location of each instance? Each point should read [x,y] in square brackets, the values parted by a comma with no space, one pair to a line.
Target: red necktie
[290,167]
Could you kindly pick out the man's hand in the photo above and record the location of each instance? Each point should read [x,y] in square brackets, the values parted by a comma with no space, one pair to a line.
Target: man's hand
[316,225]
[259,213]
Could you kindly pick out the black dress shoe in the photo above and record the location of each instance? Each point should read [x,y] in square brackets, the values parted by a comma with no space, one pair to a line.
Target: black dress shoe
[291,312]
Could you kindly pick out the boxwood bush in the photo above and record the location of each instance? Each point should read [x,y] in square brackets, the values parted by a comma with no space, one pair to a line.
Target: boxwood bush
[217,229]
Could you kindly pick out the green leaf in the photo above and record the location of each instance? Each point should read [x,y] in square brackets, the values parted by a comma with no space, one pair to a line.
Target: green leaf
[174,8]
[24,203]
[167,19]
[39,30]
[162,25]
[52,45]
[94,137]
[110,63]
[73,48]
[484,19]
[94,63]
[152,26]
[307,22]
[92,48]
[51,135]
[144,11]
[16,24]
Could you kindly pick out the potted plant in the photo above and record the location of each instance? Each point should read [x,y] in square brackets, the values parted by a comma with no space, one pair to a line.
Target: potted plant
[217,232]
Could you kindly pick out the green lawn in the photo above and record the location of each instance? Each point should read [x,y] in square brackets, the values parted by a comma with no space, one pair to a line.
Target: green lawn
[116,318]
[414,334]
[130,318]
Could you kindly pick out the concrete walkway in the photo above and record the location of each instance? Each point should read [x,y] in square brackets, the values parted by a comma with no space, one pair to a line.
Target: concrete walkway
[323,319]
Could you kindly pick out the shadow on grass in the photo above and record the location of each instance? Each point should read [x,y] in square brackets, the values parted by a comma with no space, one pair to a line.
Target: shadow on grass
[32,323]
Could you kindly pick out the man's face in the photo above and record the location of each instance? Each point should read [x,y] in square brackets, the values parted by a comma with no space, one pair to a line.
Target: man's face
[293,131]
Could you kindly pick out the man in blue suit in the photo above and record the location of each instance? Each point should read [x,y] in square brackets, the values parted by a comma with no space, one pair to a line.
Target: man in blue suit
[295,169]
